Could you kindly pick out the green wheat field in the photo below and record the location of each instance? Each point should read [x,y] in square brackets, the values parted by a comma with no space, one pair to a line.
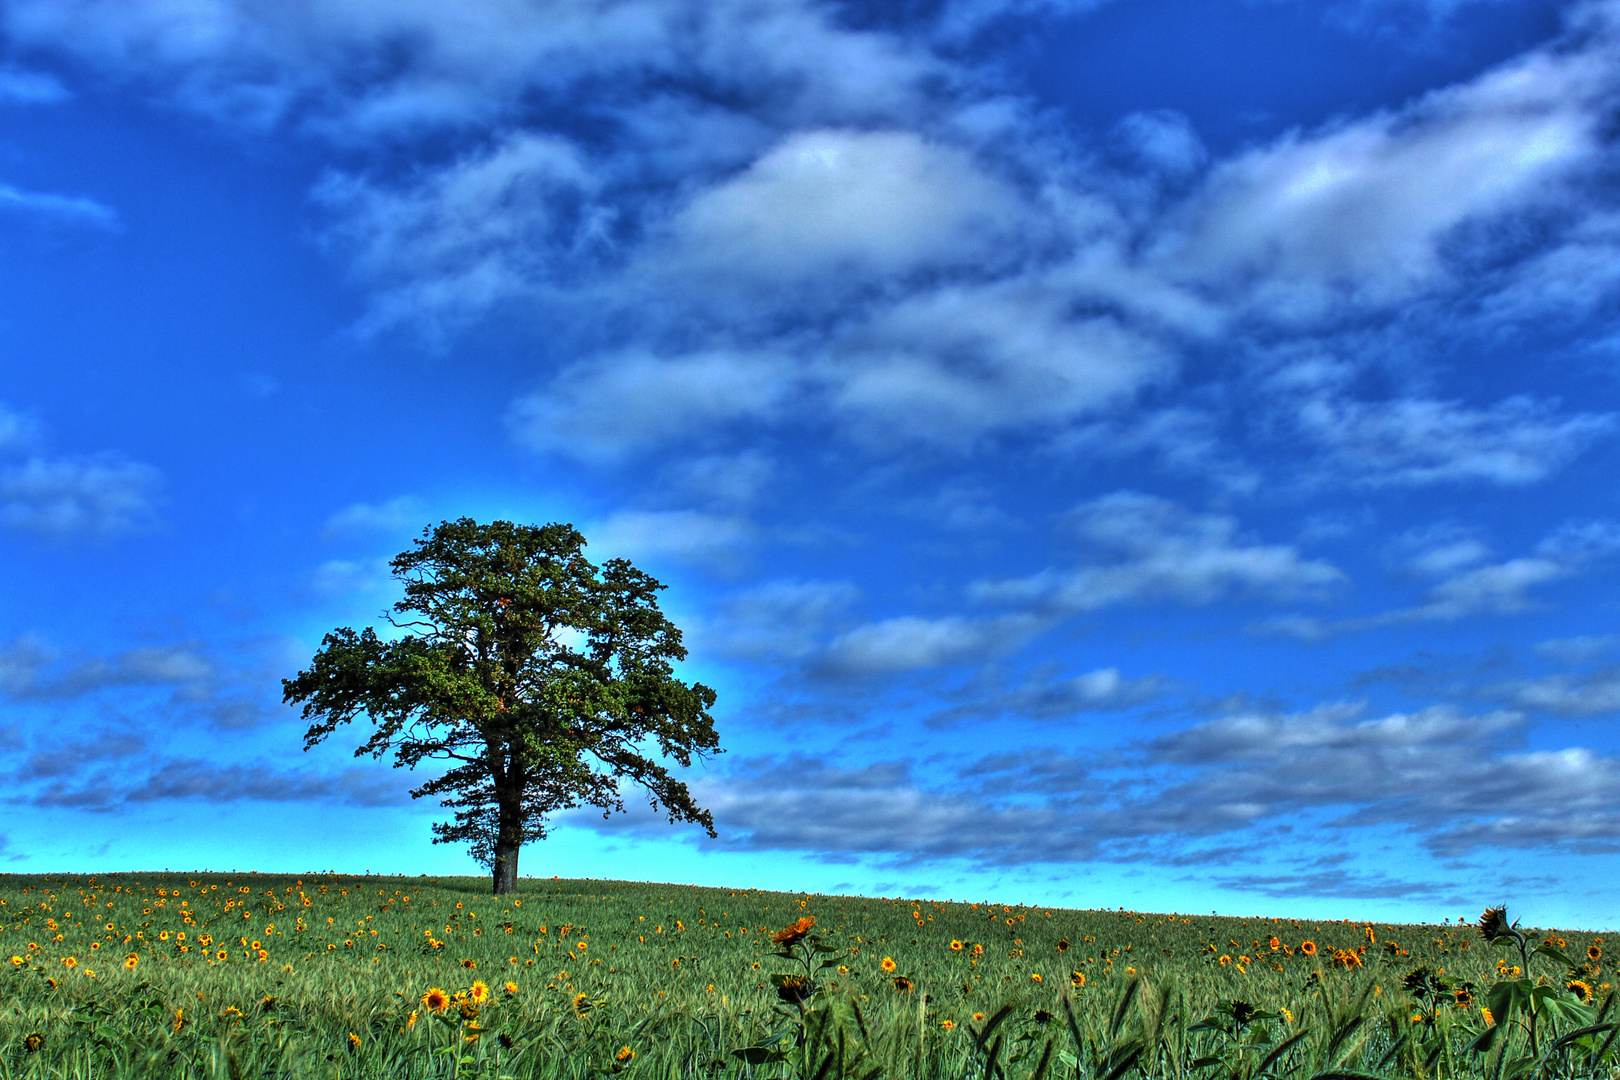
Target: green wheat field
[209,975]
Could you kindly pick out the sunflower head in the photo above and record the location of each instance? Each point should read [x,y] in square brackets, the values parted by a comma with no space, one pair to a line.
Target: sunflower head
[1493,923]
[1581,989]
[479,992]
[1063,944]
[956,946]
[33,1042]
[1308,948]
[903,984]
[1594,952]
[790,935]
[436,1000]
[888,964]
[794,989]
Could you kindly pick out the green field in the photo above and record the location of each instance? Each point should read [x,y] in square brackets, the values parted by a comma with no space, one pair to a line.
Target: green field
[325,976]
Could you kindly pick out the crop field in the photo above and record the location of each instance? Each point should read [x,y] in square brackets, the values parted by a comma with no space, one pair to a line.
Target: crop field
[323,976]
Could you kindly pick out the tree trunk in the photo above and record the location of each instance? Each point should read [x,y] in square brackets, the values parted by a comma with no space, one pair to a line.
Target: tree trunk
[508,838]
[506,865]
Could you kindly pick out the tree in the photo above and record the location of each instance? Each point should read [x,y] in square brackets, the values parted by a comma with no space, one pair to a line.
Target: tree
[545,679]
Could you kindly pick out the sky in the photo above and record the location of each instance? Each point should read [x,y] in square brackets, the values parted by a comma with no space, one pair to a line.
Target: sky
[1112,453]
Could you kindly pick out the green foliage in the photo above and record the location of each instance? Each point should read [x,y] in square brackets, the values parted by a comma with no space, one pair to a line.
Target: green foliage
[544,680]
[321,977]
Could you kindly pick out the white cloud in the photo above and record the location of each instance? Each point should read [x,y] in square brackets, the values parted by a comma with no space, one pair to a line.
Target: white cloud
[32,671]
[404,512]
[31,87]
[617,405]
[788,619]
[342,577]
[955,364]
[364,69]
[1413,442]
[16,432]
[1164,140]
[683,535]
[830,207]
[1593,694]
[1152,550]
[1578,650]
[490,226]
[1361,211]
[79,498]
[909,643]
[1453,781]
[72,209]
[1470,586]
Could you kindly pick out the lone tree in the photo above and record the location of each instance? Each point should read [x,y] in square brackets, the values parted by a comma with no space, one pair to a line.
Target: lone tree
[545,678]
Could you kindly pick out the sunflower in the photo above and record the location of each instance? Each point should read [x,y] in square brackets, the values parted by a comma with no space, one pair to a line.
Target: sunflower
[469,963]
[220,955]
[978,1017]
[624,1054]
[1077,979]
[903,984]
[410,1021]
[789,935]
[263,955]
[479,992]
[354,1041]
[1485,1014]
[888,964]
[33,1042]
[163,935]
[1224,960]
[435,1000]
[1493,923]
[1594,952]
[1275,944]
[794,989]
[232,1013]
[582,1003]
[947,1024]
[1035,976]
[1581,989]
[130,961]
[1063,944]
[1308,948]
[70,961]
[17,961]
[956,946]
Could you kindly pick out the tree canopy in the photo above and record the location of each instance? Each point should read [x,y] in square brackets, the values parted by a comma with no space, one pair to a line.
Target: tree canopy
[544,680]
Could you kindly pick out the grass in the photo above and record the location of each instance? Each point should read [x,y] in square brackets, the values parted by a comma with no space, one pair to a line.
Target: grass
[324,976]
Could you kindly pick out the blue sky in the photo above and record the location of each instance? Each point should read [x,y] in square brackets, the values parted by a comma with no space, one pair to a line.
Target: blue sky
[1103,452]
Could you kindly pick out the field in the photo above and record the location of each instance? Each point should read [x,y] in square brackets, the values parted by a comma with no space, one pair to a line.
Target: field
[323,976]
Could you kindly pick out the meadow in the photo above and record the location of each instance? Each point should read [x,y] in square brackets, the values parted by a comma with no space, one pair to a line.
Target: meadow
[233,976]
